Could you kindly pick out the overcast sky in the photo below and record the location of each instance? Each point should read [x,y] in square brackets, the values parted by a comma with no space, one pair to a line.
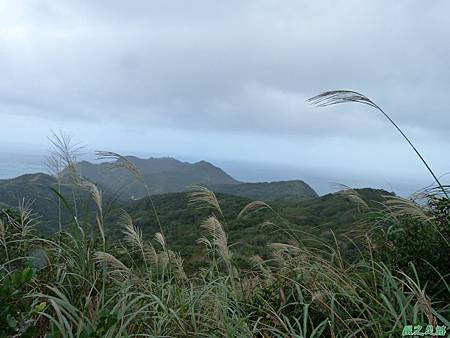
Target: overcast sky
[227,81]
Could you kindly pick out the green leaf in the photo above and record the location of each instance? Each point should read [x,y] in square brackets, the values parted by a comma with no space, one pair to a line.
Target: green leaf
[40,307]
[27,274]
[16,279]
[12,322]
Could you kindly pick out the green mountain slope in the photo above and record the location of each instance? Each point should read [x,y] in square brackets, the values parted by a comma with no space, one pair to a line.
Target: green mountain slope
[269,191]
[35,190]
[294,201]
[162,175]
[251,235]
[181,221]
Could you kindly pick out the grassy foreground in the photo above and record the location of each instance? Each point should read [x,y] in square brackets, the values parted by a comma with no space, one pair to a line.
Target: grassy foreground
[76,284]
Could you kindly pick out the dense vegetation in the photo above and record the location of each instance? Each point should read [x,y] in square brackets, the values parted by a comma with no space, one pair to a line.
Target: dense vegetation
[251,234]
[268,191]
[298,213]
[163,175]
[254,271]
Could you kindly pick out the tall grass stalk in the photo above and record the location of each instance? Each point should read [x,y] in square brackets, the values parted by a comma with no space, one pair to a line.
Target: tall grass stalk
[334,97]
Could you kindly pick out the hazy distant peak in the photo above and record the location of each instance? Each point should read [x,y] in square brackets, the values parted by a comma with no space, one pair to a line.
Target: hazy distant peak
[84,162]
[162,175]
[203,163]
[35,177]
[158,159]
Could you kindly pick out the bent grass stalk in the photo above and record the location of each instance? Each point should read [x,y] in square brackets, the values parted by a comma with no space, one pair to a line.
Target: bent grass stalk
[334,97]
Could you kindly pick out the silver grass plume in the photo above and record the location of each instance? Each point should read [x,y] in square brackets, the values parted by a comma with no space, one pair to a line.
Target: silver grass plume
[54,165]
[178,262]
[121,162]
[283,250]
[106,258]
[133,237]
[252,207]
[399,206]
[169,257]
[96,196]
[213,230]
[334,97]
[161,240]
[27,219]
[203,197]
[352,195]
[132,234]
[64,157]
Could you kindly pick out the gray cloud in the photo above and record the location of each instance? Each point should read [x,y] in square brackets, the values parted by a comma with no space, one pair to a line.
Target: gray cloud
[228,67]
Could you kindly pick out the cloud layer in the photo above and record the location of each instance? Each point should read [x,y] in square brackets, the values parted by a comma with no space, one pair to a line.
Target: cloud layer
[230,68]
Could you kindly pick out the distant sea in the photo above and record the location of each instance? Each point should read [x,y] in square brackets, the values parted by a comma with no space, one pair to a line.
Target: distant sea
[16,164]
[13,165]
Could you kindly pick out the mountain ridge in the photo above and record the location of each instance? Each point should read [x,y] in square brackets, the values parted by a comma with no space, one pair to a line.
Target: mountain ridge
[176,213]
[269,191]
[161,175]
